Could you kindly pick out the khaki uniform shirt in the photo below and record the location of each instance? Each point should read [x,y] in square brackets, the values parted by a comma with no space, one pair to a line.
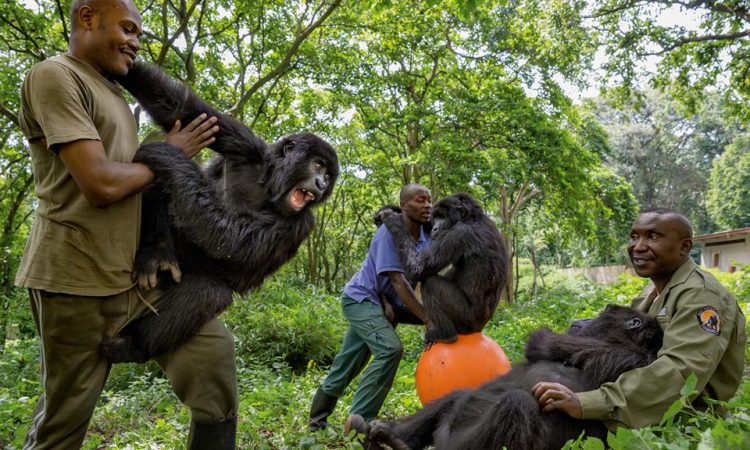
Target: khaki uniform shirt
[704,333]
[74,247]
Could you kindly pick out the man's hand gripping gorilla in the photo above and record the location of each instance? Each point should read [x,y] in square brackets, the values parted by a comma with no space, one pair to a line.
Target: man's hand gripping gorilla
[228,226]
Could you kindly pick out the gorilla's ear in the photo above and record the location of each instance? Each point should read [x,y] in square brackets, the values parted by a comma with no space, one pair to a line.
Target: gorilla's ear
[286,148]
[633,323]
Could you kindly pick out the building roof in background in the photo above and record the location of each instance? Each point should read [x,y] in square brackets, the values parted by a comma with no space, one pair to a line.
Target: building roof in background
[722,234]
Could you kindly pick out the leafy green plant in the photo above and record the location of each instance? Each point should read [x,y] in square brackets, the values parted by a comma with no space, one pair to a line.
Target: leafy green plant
[139,411]
[286,323]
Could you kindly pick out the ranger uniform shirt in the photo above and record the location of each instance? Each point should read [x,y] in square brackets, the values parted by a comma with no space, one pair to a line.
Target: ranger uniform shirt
[704,333]
[75,247]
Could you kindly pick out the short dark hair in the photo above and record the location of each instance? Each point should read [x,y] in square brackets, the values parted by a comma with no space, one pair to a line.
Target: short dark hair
[676,215]
[410,190]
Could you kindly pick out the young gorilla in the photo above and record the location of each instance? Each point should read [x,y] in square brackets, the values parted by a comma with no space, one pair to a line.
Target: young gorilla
[504,412]
[462,272]
[227,228]
[397,314]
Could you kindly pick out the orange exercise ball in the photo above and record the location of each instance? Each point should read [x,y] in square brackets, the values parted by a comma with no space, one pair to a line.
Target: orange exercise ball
[467,363]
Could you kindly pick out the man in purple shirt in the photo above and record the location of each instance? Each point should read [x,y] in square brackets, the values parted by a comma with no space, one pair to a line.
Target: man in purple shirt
[370,332]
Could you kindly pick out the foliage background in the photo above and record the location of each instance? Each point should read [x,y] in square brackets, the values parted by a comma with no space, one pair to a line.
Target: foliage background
[460,95]
[281,366]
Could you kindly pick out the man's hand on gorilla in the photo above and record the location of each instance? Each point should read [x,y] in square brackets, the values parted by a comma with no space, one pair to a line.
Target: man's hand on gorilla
[554,396]
[195,136]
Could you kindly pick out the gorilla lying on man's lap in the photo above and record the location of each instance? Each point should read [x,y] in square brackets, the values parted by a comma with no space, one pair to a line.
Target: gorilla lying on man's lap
[504,412]
[227,227]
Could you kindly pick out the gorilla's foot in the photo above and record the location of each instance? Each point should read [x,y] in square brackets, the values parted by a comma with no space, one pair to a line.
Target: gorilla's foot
[381,432]
[119,349]
[434,335]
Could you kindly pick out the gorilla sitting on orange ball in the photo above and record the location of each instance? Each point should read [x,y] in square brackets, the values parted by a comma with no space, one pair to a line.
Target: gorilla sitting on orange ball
[462,272]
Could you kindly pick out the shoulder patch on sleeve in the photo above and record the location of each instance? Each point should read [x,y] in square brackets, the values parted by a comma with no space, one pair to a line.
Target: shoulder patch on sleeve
[709,320]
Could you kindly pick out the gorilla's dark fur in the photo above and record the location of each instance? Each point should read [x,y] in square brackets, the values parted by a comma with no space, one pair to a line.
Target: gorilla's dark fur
[504,412]
[378,217]
[228,227]
[462,272]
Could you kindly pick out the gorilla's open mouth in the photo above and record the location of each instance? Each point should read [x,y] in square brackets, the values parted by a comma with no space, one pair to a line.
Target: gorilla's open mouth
[299,197]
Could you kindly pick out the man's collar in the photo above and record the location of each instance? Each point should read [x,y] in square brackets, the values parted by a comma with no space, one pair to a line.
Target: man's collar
[680,275]
[422,236]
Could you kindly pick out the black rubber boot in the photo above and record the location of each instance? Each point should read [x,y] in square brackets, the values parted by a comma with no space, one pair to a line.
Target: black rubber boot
[213,435]
[322,407]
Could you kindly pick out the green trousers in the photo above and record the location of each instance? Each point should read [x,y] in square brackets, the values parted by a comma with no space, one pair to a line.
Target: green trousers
[369,334]
[73,370]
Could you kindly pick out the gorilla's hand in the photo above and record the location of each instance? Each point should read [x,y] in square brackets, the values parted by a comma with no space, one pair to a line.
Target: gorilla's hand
[540,342]
[383,215]
[150,260]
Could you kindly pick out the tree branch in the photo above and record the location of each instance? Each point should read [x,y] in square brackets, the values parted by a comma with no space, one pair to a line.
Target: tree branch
[285,63]
[9,114]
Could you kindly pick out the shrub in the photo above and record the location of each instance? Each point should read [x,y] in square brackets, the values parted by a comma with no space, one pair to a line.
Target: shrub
[281,323]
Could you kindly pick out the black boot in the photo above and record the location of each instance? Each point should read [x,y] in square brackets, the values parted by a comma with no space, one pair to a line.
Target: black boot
[322,407]
[213,435]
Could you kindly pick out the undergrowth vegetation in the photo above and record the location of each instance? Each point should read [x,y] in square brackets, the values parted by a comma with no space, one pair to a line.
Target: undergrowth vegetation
[286,336]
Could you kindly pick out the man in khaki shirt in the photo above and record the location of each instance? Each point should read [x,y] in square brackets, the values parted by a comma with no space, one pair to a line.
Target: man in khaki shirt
[704,333]
[78,260]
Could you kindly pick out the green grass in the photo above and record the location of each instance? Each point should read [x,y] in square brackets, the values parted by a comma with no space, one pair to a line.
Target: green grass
[281,365]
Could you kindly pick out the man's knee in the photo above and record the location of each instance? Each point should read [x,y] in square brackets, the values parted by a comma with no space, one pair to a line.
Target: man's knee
[389,351]
[203,373]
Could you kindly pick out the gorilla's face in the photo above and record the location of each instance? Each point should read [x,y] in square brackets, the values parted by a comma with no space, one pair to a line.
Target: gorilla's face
[620,321]
[451,210]
[311,187]
[440,222]
[302,172]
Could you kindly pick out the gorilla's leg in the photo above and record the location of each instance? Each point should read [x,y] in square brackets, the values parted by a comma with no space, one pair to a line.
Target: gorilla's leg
[156,249]
[513,420]
[183,309]
[448,309]
[415,431]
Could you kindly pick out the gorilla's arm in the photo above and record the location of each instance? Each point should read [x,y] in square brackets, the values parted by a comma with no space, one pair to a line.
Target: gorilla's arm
[198,212]
[167,100]
[601,360]
[544,344]
[419,265]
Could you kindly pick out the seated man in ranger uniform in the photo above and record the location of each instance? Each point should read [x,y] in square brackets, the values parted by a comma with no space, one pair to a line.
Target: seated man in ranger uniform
[704,333]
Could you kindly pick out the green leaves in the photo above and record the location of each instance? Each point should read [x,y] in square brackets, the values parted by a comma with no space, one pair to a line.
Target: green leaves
[729,186]
[705,49]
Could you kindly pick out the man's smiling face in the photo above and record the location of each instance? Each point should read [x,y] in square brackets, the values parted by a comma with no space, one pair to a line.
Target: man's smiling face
[658,246]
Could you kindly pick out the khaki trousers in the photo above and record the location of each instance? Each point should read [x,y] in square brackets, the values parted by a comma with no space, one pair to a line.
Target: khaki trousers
[73,371]
[369,339]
